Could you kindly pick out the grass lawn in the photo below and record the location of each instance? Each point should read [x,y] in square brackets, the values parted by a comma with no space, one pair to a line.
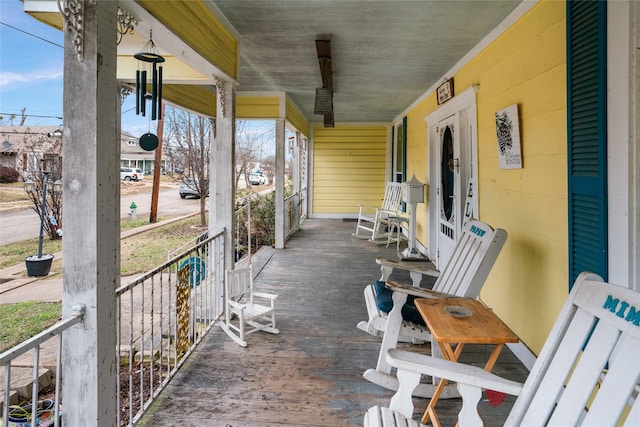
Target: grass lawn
[23,320]
[139,253]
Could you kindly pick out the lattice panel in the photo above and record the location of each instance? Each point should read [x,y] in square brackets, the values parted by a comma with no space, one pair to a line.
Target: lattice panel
[182,310]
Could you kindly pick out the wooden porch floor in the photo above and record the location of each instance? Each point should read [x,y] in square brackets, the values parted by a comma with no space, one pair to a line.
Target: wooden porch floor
[311,373]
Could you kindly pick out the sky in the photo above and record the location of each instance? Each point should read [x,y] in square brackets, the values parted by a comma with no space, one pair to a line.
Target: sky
[31,67]
[31,70]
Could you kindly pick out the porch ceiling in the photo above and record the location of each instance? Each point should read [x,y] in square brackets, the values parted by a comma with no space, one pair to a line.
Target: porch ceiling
[385,54]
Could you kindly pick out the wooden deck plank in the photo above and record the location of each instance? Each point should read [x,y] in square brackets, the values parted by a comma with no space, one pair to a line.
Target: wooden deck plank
[311,373]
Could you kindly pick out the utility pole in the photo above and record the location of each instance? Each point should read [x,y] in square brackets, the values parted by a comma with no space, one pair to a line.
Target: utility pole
[153,216]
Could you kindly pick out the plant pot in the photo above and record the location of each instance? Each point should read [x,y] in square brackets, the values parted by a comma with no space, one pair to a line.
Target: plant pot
[38,266]
[20,416]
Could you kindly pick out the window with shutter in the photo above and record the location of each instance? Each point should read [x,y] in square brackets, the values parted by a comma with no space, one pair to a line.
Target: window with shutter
[587,130]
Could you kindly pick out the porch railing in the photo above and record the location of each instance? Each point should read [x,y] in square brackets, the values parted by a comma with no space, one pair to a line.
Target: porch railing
[293,213]
[162,316]
[34,345]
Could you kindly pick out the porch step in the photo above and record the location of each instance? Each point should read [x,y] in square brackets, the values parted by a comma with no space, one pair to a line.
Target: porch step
[22,385]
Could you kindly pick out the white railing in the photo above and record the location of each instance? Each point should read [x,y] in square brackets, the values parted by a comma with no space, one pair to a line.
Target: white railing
[162,316]
[34,344]
[293,213]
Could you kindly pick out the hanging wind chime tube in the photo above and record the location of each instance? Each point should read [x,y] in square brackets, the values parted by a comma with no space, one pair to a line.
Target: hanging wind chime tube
[150,55]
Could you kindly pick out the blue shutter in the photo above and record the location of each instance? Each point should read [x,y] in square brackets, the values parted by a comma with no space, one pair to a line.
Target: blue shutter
[587,136]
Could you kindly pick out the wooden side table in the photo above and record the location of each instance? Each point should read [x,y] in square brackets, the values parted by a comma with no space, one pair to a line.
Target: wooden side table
[460,321]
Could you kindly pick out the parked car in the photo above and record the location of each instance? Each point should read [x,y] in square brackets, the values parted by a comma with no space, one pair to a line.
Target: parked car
[130,174]
[257,178]
[189,187]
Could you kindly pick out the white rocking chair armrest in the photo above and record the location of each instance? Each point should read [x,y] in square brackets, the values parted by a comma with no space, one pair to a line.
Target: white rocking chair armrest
[368,207]
[417,292]
[265,295]
[237,305]
[452,371]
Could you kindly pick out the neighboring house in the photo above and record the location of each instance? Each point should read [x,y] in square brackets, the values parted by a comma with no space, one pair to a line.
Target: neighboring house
[24,147]
[21,147]
[132,155]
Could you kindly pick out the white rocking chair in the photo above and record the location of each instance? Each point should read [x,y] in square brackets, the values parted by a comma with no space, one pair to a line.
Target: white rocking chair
[240,301]
[374,221]
[464,275]
[586,374]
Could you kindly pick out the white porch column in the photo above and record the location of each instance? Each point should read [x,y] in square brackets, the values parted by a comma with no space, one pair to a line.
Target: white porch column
[221,170]
[295,162]
[91,213]
[303,144]
[279,184]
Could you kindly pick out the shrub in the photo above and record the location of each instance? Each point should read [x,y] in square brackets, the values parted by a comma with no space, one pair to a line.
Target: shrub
[8,175]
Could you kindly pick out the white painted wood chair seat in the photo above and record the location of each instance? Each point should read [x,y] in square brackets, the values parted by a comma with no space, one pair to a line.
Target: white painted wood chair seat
[379,416]
[464,275]
[240,301]
[373,221]
[377,323]
[586,374]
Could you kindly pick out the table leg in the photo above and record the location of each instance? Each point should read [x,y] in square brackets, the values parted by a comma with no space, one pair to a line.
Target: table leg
[493,358]
[449,354]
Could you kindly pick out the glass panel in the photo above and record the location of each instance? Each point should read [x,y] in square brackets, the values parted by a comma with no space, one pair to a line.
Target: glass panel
[446,173]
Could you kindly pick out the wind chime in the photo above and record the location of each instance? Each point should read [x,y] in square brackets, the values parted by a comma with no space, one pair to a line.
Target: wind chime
[149,55]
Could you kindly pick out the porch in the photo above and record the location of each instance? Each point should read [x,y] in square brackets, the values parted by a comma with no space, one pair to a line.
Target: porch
[311,373]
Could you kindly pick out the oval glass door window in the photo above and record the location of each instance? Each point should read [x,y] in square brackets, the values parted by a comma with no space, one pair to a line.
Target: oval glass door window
[447,176]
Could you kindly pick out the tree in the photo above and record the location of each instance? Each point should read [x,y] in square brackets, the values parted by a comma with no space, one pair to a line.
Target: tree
[44,156]
[188,147]
[23,116]
[251,143]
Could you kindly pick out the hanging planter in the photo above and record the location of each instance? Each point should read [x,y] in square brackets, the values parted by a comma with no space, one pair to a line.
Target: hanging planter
[38,266]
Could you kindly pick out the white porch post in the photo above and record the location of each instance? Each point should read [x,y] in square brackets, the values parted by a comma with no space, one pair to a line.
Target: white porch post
[279,184]
[295,162]
[303,143]
[91,209]
[221,170]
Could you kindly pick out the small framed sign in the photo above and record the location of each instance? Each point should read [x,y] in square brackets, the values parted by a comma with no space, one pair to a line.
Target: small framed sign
[445,91]
[508,134]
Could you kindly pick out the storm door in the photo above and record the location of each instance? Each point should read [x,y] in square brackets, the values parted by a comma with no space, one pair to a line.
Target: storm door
[448,188]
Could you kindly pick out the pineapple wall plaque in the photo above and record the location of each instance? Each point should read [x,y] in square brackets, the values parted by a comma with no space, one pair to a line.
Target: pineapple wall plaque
[508,133]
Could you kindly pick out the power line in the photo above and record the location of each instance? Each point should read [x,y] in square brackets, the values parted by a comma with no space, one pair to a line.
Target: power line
[30,115]
[30,34]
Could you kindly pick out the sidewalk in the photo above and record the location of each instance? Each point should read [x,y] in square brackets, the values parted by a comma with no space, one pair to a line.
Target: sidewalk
[16,287]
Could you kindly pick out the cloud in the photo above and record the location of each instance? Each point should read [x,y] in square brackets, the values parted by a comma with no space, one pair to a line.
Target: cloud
[8,79]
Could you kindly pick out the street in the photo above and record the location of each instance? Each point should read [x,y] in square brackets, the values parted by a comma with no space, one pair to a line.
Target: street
[25,224]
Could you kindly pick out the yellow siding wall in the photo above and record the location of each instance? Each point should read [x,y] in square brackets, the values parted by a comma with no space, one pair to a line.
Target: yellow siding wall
[526,65]
[257,107]
[296,118]
[348,168]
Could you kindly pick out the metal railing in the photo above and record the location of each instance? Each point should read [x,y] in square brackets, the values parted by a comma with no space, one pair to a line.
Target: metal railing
[162,316]
[35,416]
[293,213]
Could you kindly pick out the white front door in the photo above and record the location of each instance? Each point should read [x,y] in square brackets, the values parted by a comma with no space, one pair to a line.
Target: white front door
[448,187]
[453,167]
